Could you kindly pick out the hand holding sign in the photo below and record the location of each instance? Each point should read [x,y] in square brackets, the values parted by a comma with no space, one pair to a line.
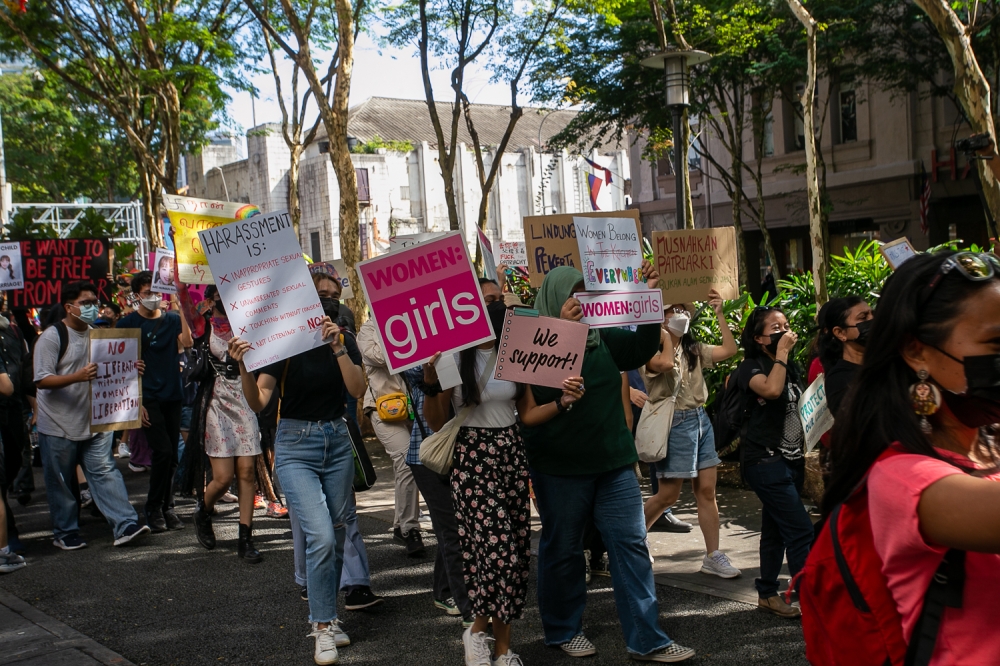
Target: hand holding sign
[542,351]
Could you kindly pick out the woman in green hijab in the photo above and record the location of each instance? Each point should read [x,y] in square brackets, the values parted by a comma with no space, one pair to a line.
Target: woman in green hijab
[581,465]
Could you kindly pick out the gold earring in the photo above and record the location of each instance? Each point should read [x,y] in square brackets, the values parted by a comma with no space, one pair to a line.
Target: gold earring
[926,400]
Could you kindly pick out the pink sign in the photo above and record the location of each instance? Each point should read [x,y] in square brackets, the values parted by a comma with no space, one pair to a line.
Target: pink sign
[542,351]
[425,299]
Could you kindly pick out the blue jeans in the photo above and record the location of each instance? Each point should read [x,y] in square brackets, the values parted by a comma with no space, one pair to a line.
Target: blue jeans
[785,524]
[59,460]
[690,447]
[615,502]
[315,465]
[355,569]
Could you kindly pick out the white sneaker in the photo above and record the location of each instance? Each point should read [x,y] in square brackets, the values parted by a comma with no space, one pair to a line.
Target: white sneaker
[123,451]
[229,498]
[477,648]
[649,551]
[579,647]
[509,659]
[719,565]
[326,644]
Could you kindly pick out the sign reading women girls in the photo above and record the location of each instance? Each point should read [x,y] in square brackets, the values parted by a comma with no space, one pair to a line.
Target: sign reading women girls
[425,299]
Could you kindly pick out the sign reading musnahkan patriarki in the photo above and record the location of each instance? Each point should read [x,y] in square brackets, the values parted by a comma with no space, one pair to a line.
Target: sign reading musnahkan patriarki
[691,262]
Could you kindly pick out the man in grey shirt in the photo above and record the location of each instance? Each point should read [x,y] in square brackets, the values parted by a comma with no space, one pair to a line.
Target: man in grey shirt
[63,375]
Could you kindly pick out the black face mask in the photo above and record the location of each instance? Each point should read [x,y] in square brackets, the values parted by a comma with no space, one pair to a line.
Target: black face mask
[331,307]
[497,312]
[773,345]
[864,328]
[980,404]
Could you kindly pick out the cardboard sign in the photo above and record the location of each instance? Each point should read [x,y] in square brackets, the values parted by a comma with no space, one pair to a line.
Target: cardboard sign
[815,413]
[512,254]
[265,287]
[621,308]
[691,262]
[611,253]
[550,241]
[425,299]
[11,274]
[116,392]
[163,272]
[541,351]
[897,252]
[345,283]
[188,216]
[48,264]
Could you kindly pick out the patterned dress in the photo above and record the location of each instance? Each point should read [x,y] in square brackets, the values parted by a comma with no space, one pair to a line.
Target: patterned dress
[230,425]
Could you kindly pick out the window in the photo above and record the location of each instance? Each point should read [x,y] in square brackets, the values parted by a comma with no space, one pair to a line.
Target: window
[364,196]
[799,128]
[317,246]
[848,115]
[324,147]
[768,139]
[404,192]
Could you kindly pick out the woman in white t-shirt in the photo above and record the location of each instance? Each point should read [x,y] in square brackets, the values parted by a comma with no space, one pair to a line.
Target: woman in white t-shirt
[489,481]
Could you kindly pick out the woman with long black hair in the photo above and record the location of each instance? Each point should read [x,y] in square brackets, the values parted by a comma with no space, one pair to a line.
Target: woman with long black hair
[929,391]
[845,324]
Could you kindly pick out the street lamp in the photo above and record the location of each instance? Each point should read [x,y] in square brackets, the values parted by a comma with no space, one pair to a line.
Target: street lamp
[676,66]
[223,174]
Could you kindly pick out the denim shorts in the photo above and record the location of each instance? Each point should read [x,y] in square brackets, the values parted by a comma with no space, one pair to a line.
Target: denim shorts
[691,446]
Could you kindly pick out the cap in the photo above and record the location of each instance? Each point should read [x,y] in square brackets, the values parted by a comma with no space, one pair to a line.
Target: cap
[323,268]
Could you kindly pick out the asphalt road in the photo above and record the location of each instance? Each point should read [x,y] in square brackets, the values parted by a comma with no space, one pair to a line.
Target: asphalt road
[167,601]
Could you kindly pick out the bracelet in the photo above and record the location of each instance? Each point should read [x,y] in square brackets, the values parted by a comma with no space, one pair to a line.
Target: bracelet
[342,352]
[561,407]
[781,363]
[431,390]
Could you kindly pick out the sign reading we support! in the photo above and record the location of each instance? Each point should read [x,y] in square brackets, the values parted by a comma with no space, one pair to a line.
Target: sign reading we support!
[425,299]
[691,262]
[542,351]
[188,216]
[48,264]
[550,240]
[621,308]
[265,287]
[116,392]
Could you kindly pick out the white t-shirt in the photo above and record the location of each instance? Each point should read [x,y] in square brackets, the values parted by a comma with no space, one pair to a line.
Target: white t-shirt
[496,404]
[63,412]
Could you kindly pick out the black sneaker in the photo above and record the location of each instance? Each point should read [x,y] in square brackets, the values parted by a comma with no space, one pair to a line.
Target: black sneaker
[397,536]
[172,520]
[131,532]
[304,593]
[414,544]
[361,598]
[156,521]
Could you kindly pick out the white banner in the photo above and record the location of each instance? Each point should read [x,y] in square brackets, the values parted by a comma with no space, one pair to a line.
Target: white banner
[611,254]
[621,308]
[513,254]
[116,392]
[815,413]
[11,272]
[163,272]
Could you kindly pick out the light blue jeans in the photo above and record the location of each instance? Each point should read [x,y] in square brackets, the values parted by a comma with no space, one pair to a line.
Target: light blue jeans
[315,465]
[355,572]
[565,504]
[59,459]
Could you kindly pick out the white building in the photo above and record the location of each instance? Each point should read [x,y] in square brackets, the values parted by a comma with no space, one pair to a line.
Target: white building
[403,193]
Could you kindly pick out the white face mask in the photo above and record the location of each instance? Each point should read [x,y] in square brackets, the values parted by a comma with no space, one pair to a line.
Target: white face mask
[679,324]
[151,302]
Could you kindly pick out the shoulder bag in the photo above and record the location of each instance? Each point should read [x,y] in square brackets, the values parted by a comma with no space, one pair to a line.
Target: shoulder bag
[653,431]
[437,452]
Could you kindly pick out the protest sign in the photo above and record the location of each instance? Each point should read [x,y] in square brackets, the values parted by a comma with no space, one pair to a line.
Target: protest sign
[116,392]
[815,412]
[265,287]
[897,252]
[163,272]
[403,241]
[11,274]
[550,240]
[512,254]
[48,264]
[489,262]
[621,308]
[692,262]
[425,299]
[611,253]
[187,217]
[541,351]
[345,283]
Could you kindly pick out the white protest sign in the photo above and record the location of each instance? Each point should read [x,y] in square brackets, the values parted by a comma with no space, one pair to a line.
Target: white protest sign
[265,287]
[898,252]
[11,271]
[345,282]
[621,308]
[116,392]
[815,413]
[611,254]
[403,241]
[489,263]
[163,272]
[512,253]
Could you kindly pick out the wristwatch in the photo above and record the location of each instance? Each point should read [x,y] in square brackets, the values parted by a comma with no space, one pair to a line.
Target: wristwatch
[563,408]
[343,351]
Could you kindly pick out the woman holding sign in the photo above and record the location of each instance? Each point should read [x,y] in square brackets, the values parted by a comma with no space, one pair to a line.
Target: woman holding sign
[582,464]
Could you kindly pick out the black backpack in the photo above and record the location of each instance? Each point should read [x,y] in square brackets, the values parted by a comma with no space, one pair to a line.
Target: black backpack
[730,420]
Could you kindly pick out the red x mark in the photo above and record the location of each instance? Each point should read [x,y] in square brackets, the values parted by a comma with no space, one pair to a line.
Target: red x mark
[223,279]
[233,305]
[243,330]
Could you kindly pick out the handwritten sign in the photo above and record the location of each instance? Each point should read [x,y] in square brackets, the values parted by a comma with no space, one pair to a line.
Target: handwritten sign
[621,308]
[550,241]
[265,287]
[691,262]
[48,264]
[345,283]
[489,262]
[425,299]
[512,254]
[611,254]
[898,252]
[188,216]
[815,413]
[403,241]
[11,274]
[541,351]
[163,272]
[116,392]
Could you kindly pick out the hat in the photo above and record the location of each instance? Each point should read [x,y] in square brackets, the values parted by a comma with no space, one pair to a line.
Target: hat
[323,268]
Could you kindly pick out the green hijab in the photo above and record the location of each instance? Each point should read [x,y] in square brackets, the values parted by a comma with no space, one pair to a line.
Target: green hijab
[556,288]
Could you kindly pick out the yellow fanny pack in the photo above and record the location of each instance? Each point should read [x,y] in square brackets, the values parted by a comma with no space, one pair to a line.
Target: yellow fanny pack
[393,407]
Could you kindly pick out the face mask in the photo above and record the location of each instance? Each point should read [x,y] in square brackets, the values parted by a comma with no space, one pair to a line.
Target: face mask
[679,324]
[331,307]
[497,312]
[88,314]
[151,302]
[773,345]
[979,405]
[864,328]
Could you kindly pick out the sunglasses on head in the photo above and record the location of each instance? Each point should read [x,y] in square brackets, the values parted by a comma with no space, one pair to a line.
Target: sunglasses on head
[973,266]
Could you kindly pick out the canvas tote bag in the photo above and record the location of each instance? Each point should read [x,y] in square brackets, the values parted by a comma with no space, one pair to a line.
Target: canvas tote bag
[657,416]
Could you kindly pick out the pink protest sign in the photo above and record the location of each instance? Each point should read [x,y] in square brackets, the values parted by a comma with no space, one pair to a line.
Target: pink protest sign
[425,299]
[542,351]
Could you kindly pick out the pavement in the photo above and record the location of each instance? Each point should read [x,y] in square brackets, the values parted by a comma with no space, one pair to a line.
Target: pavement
[165,600]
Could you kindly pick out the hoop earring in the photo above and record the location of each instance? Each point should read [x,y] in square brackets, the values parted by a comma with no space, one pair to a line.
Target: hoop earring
[925,399]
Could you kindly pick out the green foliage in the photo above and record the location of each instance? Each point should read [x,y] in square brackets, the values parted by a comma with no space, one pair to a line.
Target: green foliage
[373,145]
[519,284]
[21,226]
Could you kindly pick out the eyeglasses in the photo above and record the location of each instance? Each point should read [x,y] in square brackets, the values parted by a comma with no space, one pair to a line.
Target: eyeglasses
[973,266]
[678,310]
[83,304]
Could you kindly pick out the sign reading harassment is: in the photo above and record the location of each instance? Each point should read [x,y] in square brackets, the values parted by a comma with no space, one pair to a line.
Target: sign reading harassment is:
[265,287]
[425,299]
[692,262]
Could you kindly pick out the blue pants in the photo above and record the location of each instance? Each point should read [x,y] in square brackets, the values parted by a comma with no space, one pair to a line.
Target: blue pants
[59,459]
[315,464]
[615,502]
[355,571]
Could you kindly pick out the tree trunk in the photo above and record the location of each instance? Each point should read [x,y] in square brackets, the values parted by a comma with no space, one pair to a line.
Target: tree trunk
[816,233]
[294,159]
[150,192]
[741,248]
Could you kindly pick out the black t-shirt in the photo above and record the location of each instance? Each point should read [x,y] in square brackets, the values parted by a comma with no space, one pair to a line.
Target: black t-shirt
[162,378]
[766,417]
[314,386]
[838,381]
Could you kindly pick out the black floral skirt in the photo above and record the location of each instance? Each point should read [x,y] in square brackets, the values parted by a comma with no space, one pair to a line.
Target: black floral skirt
[489,484]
